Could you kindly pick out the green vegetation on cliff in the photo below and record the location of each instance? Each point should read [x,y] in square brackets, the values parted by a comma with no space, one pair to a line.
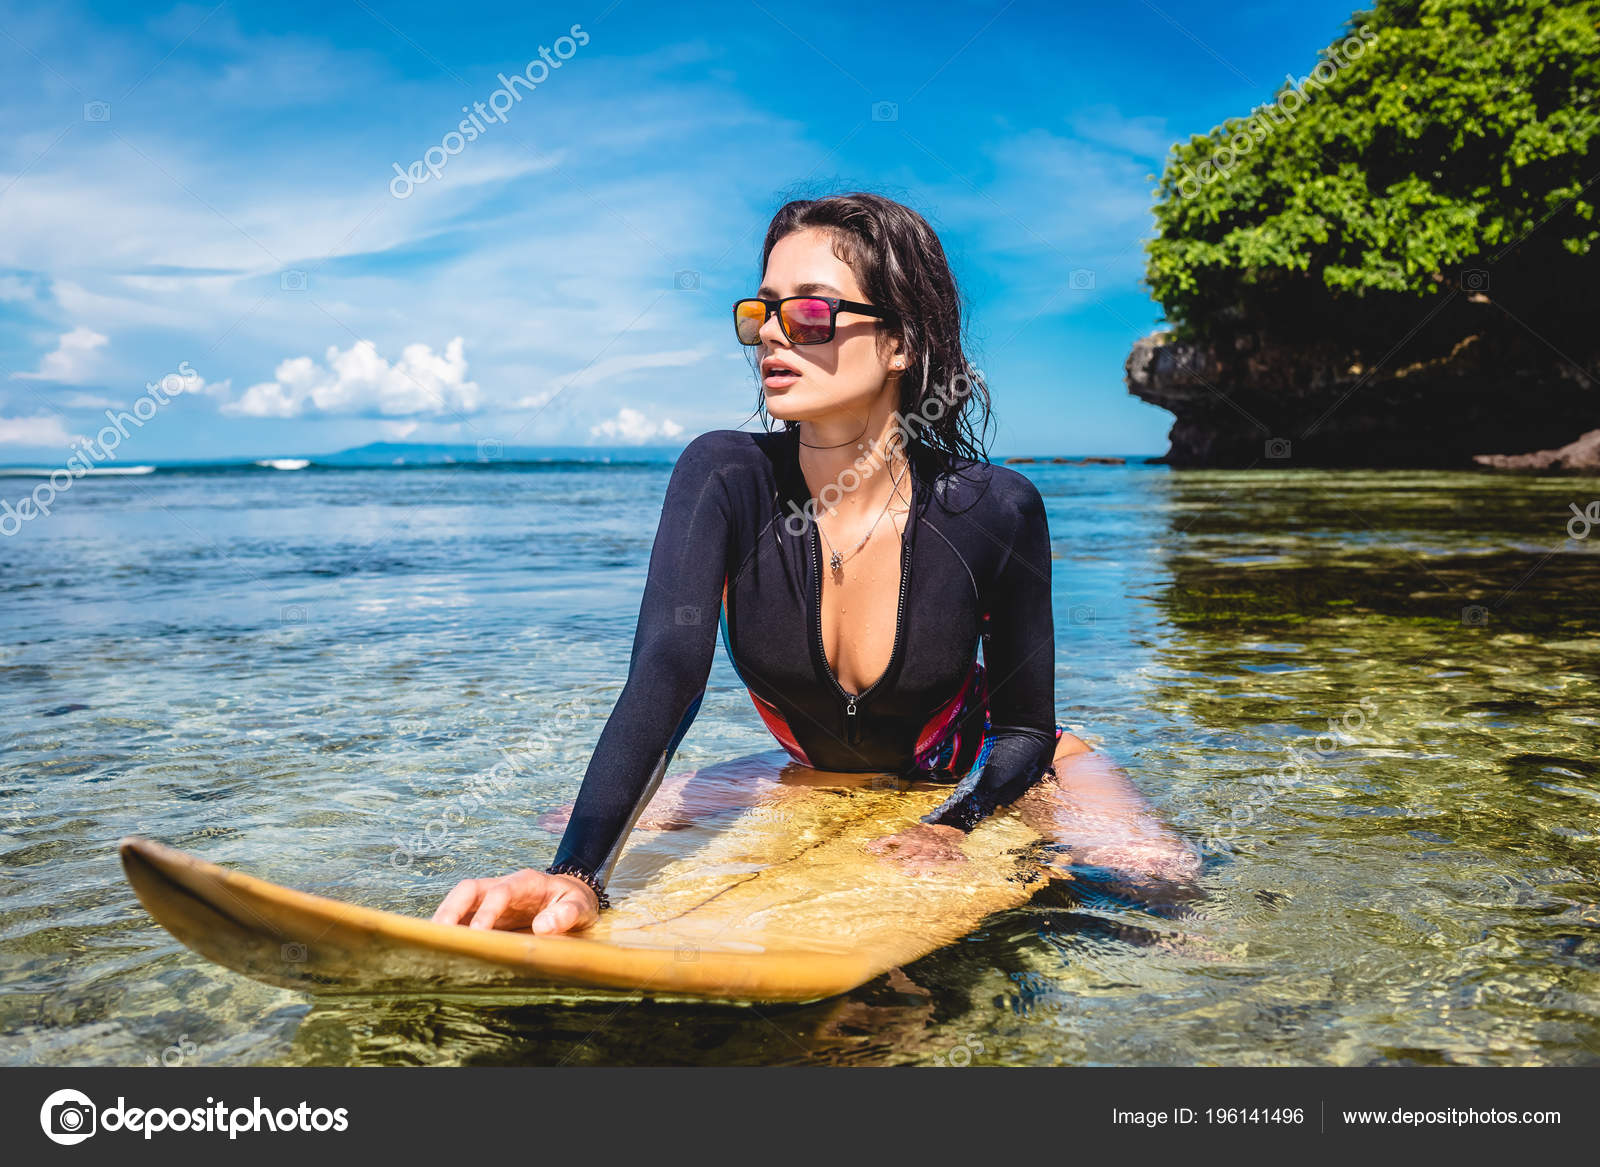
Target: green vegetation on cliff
[1441,146]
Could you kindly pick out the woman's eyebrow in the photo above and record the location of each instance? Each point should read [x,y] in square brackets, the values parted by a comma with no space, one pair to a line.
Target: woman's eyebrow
[767,292]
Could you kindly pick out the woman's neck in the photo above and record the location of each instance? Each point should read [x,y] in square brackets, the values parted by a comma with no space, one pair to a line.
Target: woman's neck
[861,458]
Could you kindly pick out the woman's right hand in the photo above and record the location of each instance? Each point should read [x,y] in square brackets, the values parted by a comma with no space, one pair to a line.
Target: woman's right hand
[547,903]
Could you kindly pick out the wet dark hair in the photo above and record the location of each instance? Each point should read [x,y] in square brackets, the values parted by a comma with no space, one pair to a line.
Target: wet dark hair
[897,258]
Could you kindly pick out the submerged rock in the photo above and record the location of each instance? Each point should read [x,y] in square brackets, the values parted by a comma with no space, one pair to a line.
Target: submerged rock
[1581,455]
[1058,460]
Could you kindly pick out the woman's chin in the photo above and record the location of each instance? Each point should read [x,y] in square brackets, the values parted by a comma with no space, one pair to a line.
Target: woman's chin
[782,405]
[799,405]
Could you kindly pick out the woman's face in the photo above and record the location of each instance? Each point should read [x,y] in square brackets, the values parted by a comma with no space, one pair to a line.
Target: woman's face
[841,377]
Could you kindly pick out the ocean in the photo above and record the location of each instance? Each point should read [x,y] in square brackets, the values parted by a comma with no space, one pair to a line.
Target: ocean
[291,670]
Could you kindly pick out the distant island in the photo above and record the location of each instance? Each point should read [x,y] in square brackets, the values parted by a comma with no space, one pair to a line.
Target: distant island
[1394,262]
[489,450]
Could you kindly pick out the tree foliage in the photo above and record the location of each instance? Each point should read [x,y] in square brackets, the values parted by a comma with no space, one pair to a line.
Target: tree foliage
[1454,147]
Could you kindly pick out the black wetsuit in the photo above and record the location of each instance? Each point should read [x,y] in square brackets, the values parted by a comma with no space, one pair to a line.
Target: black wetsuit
[736,551]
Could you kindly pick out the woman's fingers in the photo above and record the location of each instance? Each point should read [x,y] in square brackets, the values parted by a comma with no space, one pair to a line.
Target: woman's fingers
[492,906]
[570,905]
[552,903]
[463,898]
[920,845]
[560,916]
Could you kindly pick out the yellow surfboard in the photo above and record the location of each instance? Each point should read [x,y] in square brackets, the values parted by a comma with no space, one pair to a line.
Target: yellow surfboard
[784,904]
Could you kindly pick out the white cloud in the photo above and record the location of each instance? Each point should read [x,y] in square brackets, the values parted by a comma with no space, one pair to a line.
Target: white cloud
[88,401]
[171,383]
[547,264]
[73,359]
[1077,198]
[398,430]
[533,400]
[44,430]
[1144,137]
[609,372]
[359,382]
[130,312]
[616,367]
[632,427]
[16,290]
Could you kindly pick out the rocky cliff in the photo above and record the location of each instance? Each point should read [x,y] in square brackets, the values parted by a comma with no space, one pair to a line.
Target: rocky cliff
[1251,403]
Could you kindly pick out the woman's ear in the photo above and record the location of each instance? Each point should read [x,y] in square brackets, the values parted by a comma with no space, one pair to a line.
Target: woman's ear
[895,349]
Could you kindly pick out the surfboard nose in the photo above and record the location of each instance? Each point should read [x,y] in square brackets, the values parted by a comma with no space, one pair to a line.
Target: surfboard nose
[136,849]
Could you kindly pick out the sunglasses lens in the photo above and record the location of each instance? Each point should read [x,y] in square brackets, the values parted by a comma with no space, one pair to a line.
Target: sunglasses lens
[748,317]
[807,321]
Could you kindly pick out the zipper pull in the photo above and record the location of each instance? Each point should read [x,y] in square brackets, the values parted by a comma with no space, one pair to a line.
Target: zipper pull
[850,726]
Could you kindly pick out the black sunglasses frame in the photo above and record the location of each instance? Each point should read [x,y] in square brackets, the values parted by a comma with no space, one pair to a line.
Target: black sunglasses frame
[835,306]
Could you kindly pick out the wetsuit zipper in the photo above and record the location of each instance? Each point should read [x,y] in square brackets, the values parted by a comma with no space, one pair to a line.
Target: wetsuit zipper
[852,729]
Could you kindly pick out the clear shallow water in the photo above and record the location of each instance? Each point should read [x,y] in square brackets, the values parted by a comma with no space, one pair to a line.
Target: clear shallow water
[294,672]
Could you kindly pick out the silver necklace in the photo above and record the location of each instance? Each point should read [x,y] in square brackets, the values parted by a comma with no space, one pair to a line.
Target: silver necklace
[835,560]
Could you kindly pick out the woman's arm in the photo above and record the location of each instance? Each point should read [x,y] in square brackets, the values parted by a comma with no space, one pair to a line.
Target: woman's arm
[1020,667]
[1099,819]
[672,649]
[673,646]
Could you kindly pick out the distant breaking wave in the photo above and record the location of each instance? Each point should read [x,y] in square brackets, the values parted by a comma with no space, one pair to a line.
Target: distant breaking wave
[311,465]
[91,472]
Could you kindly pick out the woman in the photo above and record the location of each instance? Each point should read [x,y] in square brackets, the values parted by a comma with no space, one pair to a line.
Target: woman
[857,559]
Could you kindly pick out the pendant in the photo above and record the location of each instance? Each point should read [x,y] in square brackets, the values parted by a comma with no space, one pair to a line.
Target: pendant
[835,561]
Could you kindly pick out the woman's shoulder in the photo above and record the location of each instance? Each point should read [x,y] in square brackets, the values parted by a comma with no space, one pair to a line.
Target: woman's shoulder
[729,448]
[732,456]
[726,444]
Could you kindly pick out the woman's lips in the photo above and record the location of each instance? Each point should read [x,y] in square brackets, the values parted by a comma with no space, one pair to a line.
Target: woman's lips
[776,375]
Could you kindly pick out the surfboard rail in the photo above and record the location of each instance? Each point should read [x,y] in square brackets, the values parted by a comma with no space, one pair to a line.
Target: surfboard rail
[772,908]
[298,940]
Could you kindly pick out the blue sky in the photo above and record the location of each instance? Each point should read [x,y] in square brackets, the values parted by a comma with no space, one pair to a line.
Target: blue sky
[206,191]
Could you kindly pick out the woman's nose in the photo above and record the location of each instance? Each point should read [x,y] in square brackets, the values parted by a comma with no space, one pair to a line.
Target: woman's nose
[772,332]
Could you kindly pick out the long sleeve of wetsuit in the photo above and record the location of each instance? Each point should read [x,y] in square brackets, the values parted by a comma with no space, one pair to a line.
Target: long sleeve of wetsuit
[1020,663]
[673,647]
